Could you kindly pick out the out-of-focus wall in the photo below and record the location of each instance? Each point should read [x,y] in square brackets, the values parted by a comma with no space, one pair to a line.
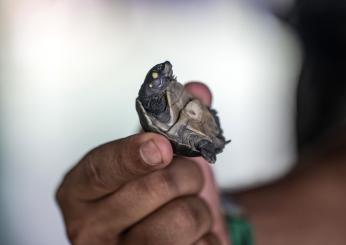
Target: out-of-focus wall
[71,70]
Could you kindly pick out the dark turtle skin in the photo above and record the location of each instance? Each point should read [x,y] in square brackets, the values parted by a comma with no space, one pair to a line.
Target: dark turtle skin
[165,107]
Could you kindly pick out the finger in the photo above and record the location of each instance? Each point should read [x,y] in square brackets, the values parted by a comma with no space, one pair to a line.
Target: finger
[107,167]
[209,239]
[182,221]
[211,195]
[210,192]
[200,91]
[121,210]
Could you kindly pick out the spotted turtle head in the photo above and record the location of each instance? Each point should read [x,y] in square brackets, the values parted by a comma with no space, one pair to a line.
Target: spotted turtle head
[152,94]
[157,80]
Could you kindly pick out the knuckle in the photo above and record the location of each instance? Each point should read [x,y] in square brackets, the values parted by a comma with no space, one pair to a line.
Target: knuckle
[62,193]
[82,232]
[59,195]
[73,232]
[209,238]
[193,213]
[92,171]
[164,183]
[76,232]
[186,214]
[160,185]
[189,174]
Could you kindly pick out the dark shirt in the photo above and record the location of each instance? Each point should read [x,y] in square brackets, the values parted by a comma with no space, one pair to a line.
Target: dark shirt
[321,96]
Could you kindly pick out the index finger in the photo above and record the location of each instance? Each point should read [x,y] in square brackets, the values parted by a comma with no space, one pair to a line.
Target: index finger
[104,169]
[200,91]
[209,193]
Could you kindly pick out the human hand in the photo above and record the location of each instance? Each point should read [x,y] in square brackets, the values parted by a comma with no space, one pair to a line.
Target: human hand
[132,191]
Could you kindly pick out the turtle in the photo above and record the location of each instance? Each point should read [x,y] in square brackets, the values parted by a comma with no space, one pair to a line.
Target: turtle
[165,107]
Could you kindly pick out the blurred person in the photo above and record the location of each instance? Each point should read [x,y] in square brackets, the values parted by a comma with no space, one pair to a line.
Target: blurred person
[133,191]
[308,205]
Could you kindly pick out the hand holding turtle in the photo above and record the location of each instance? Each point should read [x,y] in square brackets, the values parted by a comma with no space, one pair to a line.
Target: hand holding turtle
[130,191]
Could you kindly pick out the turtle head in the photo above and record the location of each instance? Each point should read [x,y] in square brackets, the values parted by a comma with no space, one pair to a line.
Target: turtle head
[153,91]
[157,79]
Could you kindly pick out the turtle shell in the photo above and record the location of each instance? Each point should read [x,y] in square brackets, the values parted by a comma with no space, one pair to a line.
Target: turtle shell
[165,107]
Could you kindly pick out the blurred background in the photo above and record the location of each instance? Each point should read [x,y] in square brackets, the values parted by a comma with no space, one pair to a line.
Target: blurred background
[70,72]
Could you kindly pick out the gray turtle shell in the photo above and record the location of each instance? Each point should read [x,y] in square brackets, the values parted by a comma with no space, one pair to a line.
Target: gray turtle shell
[193,129]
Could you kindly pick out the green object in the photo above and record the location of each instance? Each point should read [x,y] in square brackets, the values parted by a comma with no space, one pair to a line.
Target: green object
[240,230]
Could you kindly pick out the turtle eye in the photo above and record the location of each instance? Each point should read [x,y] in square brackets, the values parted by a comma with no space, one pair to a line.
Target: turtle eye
[154,75]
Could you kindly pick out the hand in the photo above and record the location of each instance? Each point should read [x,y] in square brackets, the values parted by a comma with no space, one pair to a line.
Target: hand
[133,191]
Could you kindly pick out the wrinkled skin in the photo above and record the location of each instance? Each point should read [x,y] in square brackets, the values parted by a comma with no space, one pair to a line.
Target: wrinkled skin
[165,107]
[133,191]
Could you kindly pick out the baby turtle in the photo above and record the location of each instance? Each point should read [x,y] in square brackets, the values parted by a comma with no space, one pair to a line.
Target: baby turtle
[165,107]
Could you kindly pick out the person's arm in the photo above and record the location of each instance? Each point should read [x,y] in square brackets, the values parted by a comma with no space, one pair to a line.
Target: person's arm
[306,207]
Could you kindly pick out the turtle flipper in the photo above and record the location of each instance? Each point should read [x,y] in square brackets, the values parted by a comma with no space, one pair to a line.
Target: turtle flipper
[207,150]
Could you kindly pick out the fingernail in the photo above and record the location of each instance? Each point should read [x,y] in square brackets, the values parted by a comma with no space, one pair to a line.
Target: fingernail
[150,153]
